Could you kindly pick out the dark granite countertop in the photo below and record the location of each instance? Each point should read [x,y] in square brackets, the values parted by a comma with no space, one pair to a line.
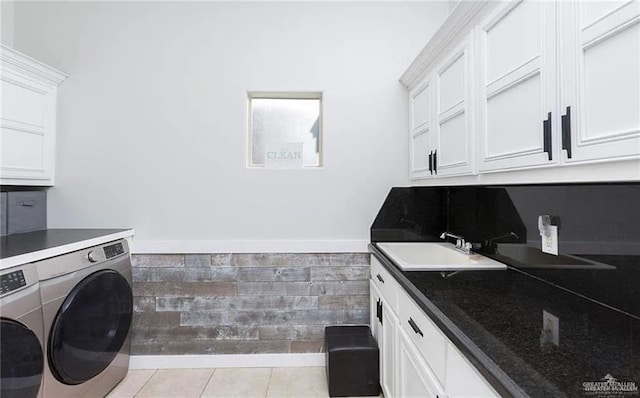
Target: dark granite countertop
[496,319]
[31,246]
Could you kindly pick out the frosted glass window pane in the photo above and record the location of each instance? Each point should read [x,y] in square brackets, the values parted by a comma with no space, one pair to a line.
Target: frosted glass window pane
[285,120]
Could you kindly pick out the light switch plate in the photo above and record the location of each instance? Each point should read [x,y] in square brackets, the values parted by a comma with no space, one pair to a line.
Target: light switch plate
[550,243]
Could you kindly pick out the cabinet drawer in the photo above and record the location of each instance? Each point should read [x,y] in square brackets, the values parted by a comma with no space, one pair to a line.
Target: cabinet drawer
[429,341]
[386,283]
[26,211]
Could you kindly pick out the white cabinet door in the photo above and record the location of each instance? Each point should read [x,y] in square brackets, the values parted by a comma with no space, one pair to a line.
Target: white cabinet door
[421,134]
[454,125]
[388,351]
[27,119]
[600,80]
[374,313]
[463,380]
[517,85]
[415,379]
[383,326]
[424,334]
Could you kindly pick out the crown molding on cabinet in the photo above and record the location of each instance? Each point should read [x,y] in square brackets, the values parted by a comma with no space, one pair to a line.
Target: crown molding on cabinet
[457,25]
[29,65]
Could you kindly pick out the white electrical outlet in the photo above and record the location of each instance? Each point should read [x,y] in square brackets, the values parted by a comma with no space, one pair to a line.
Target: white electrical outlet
[550,242]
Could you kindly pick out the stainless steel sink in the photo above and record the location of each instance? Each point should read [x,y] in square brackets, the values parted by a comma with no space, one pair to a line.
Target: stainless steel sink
[435,256]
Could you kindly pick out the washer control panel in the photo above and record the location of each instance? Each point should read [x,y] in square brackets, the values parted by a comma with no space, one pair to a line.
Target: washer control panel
[12,281]
[113,250]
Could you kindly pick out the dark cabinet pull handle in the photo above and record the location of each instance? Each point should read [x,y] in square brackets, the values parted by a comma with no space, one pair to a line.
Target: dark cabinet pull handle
[380,278]
[546,129]
[379,310]
[380,317]
[415,327]
[431,162]
[435,162]
[566,132]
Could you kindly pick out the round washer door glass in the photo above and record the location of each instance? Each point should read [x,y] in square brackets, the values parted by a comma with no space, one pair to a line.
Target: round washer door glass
[21,360]
[90,327]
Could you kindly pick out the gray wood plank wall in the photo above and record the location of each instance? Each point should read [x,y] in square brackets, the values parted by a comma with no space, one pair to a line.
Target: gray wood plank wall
[245,303]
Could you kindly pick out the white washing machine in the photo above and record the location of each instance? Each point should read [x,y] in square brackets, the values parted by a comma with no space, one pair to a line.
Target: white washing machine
[87,307]
[21,333]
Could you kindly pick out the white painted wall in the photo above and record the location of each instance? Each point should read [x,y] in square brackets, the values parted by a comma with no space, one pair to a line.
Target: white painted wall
[6,22]
[152,120]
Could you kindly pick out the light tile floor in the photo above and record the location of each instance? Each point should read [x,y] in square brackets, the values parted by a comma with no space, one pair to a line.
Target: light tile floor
[308,382]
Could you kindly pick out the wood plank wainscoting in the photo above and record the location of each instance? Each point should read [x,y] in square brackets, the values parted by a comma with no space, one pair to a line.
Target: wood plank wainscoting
[204,304]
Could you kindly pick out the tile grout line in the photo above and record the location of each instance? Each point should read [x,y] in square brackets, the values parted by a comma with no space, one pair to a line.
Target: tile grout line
[266,394]
[207,383]
[145,383]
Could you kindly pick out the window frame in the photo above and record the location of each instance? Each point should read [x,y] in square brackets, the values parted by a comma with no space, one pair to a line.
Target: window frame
[287,95]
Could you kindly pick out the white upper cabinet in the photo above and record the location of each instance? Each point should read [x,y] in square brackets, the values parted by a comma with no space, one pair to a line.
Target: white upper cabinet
[600,84]
[454,124]
[517,86]
[540,85]
[421,141]
[441,114]
[27,119]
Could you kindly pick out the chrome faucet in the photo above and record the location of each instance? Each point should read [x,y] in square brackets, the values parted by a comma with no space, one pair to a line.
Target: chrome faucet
[461,245]
[490,246]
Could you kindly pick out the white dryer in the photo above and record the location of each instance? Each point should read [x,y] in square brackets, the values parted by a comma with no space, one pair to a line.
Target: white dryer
[87,308]
[21,354]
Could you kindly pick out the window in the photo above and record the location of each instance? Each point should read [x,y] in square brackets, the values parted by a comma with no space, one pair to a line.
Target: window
[285,130]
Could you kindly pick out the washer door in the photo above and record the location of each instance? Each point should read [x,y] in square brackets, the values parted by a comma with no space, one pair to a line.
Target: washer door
[21,360]
[90,327]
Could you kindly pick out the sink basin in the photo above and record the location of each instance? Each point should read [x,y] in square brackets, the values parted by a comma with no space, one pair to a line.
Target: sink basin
[435,256]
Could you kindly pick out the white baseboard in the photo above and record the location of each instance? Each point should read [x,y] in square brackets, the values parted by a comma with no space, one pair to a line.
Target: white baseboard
[225,361]
[247,246]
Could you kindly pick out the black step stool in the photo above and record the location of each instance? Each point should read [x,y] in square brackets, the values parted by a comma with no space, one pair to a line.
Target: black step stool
[352,361]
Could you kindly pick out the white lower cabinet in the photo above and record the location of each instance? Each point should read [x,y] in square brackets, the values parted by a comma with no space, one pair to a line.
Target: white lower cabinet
[384,327]
[415,379]
[388,349]
[424,335]
[416,358]
[462,378]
